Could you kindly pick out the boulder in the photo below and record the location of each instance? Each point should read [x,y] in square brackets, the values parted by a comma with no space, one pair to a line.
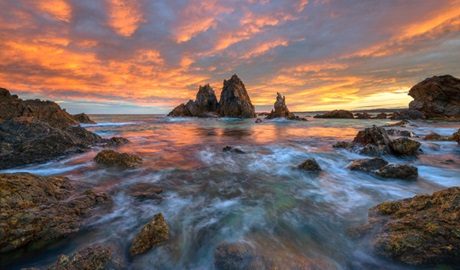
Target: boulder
[310,165]
[381,116]
[456,136]
[37,209]
[367,164]
[145,191]
[83,118]
[336,114]
[111,158]
[281,110]
[115,141]
[154,233]
[405,172]
[233,150]
[404,146]
[363,116]
[343,145]
[421,231]
[438,96]
[376,136]
[234,100]
[93,257]
[258,120]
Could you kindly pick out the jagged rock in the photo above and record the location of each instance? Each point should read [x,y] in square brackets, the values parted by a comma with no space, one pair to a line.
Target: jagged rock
[368,164]
[438,96]
[342,144]
[144,191]
[83,118]
[26,140]
[114,159]
[376,136]
[336,114]
[192,108]
[258,120]
[404,146]
[402,133]
[206,99]
[180,111]
[310,165]
[421,231]
[154,233]
[405,172]
[89,258]
[116,141]
[456,136]
[233,150]
[363,116]
[234,100]
[381,116]
[38,209]
[407,115]
[281,110]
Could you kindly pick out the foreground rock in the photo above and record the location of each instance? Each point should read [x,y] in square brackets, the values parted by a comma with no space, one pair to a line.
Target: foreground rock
[204,105]
[367,164]
[83,118]
[336,114]
[310,165]
[234,100]
[111,158]
[153,234]
[404,146]
[404,172]
[419,231]
[281,110]
[37,209]
[438,96]
[407,115]
[375,136]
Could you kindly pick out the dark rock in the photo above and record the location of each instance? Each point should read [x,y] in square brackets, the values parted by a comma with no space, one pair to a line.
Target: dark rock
[336,114]
[206,99]
[402,123]
[38,209]
[342,144]
[401,133]
[233,150]
[456,136]
[121,160]
[310,165]
[407,115]
[116,141]
[437,96]
[180,111]
[281,110]
[404,146]
[363,116]
[144,191]
[83,118]
[234,100]
[258,120]
[368,164]
[26,140]
[376,136]
[405,172]
[154,233]
[433,136]
[89,258]
[381,116]
[420,231]
[192,108]
[370,150]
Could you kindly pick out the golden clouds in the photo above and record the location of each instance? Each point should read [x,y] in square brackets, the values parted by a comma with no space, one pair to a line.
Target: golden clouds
[57,9]
[125,16]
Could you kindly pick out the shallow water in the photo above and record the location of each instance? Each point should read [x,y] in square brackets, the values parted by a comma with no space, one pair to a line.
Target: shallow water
[258,197]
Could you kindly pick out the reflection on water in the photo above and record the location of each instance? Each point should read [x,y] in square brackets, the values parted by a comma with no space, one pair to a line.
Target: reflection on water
[213,196]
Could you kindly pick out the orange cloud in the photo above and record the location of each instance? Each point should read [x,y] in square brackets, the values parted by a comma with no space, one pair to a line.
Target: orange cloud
[57,9]
[125,16]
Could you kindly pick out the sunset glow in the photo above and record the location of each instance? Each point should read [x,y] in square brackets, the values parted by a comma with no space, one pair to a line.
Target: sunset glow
[139,56]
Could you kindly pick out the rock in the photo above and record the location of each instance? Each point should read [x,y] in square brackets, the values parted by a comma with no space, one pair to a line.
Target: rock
[92,257]
[456,136]
[234,100]
[83,118]
[381,116]
[433,136]
[401,133]
[121,160]
[26,140]
[363,116]
[371,150]
[368,164]
[376,136]
[263,114]
[438,96]
[405,172]
[206,99]
[258,120]
[310,165]
[421,231]
[407,115]
[145,191]
[180,111]
[342,144]
[192,108]
[336,114]
[404,146]
[154,233]
[37,209]
[233,150]
[402,123]
[116,141]
[281,110]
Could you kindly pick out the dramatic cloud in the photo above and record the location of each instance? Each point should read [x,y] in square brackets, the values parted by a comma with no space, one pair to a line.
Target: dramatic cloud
[141,56]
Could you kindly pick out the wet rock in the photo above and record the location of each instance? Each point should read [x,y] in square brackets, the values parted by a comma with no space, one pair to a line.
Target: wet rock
[26,140]
[407,115]
[83,118]
[281,110]
[234,100]
[154,233]
[310,165]
[381,116]
[404,146]
[367,164]
[433,136]
[363,116]
[370,150]
[233,150]
[400,133]
[342,144]
[114,159]
[90,258]
[336,114]
[37,209]
[116,141]
[258,120]
[402,123]
[456,136]
[438,96]
[420,231]
[405,172]
[376,136]
[145,191]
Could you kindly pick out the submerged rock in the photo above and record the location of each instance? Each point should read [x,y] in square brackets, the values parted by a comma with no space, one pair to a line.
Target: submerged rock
[83,118]
[381,116]
[310,165]
[419,231]
[336,114]
[281,110]
[438,96]
[154,233]
[404,146]
[405,172]
[433,136]
[234,100]
[114,159]
[407,115]
[367,164]
[116,141]
[145,191]
[38,209]
[89,258]
[233,150]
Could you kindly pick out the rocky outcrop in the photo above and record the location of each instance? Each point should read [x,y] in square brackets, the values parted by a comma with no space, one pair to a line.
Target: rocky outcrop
[407,115]
[381,116]
[205,104]
[405,172]
[420,231]
[438,96]
[310,165]
[367,164]
[153,234]
[281,110]
[111,158]
[404,146]
[83,118]
[336,114]
[374,136]
[37,209]
[234,100]
[27,140]
[456,136]
[363,116]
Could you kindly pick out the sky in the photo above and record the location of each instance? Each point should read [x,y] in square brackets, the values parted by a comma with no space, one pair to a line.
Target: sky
[148,56]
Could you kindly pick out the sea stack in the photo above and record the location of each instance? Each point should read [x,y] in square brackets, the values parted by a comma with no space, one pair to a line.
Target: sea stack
[205,105]
[234,100]
[281,110]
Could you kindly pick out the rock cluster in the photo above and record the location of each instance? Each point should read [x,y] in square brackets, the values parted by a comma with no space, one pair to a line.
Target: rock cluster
[234,102]
[281,110]
[380,167]
[40,209]
[154,233]
[336,114]
[112,158]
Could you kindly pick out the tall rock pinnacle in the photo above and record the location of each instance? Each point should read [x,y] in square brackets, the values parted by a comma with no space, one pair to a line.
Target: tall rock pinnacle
[234,100]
